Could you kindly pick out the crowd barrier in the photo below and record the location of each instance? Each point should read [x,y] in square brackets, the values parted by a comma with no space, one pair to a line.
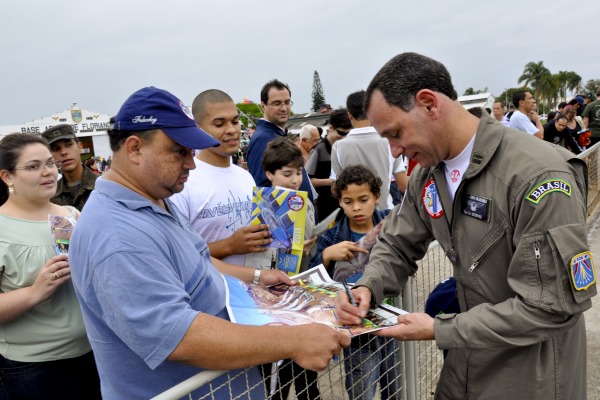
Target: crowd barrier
[417,364]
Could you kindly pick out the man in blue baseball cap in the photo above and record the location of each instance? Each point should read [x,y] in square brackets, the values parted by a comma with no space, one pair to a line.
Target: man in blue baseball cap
[152,300]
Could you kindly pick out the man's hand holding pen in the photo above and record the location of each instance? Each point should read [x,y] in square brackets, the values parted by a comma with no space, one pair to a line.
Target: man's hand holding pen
[352,314]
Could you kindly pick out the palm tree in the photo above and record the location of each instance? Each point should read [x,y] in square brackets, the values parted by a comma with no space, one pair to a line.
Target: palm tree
[574,81]
[534,75]
[550,91]
[562,78]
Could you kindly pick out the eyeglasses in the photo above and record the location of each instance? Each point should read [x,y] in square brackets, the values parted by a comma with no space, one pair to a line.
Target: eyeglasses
[34,167]
[277,104]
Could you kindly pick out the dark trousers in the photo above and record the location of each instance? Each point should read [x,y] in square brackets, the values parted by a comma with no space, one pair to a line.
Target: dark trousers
[305,381]
[396,194]
[69,379]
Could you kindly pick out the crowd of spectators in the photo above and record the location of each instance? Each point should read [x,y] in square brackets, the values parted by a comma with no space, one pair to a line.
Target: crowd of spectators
[172,221]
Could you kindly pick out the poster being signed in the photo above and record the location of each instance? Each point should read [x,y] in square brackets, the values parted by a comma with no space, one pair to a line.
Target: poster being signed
[312,300]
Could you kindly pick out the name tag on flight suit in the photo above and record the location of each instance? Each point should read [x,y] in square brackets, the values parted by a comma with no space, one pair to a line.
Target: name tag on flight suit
[475,206]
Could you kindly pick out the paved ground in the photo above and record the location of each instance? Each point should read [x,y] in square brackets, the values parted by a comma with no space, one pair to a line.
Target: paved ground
[592,316]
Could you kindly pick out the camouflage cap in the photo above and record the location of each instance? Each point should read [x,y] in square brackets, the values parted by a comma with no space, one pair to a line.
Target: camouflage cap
[59,132]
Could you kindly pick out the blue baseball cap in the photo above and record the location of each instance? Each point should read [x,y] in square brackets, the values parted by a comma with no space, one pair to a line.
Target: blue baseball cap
[153,108]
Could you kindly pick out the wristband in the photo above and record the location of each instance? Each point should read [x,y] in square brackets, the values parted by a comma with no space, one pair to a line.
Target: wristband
[256,279]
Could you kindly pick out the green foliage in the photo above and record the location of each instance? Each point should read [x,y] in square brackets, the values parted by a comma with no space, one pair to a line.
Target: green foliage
[566,81]
[471,91]
[591,86]
[250,113]
[535,74]
[507,95]
[318,98]
[548,89]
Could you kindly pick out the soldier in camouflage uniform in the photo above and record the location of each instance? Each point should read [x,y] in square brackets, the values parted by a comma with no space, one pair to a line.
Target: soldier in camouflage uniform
[77,181]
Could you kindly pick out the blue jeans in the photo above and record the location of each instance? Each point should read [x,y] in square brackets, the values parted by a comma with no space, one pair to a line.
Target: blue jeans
[68,379]
[368,360]
[396,194]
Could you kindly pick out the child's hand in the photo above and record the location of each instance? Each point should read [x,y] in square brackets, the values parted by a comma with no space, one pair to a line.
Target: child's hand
[342,251]
[308,244]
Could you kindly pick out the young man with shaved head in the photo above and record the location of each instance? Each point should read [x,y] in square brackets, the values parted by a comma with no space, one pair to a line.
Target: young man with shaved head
[217,199]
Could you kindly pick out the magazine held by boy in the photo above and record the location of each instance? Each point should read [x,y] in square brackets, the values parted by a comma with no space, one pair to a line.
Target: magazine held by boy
[284,211]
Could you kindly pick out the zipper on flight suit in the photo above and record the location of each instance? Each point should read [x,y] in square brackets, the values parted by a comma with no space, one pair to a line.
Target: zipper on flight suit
[476,262]
[538,256]
[453,252]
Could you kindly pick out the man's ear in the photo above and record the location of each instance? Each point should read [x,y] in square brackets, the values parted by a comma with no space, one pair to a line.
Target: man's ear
[133,146]
[428,100]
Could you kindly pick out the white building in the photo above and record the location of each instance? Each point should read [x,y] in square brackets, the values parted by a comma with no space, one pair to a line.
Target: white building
[90,127]
[484,100]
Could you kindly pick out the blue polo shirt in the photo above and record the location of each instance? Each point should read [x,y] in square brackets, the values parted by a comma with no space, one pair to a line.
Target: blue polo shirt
[266,132]
[142,275]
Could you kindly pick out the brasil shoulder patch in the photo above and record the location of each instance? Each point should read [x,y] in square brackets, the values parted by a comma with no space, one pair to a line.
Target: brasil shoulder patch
[582,271]
[548,186]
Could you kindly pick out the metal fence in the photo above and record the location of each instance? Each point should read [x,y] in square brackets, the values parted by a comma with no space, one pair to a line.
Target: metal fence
[415,365]
[591,157]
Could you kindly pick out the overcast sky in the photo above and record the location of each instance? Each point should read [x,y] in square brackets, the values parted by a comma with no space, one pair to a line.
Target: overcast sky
[96,53]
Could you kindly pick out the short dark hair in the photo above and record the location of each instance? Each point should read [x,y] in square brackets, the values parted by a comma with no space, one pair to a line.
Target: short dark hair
[401,78]
[562,104]
[499,101]
[280,153]
[355,102]
[476,111]
[357,175]
[339,119]
[117,138]
[11,147]
[518,96]
[211,96]
[264,92]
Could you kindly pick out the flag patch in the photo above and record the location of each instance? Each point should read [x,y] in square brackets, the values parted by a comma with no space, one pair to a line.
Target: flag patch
[582,271]
[431,200]
[546,187]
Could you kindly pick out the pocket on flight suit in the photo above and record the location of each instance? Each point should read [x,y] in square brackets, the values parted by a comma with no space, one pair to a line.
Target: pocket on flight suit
[554,265]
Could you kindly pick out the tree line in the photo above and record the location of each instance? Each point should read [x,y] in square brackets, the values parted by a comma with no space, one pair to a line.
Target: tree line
[547,88]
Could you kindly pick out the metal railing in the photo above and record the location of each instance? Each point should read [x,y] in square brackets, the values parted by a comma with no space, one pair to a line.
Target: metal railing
[417,364]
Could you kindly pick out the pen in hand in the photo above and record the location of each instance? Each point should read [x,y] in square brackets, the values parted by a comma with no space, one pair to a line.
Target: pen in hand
[350,297]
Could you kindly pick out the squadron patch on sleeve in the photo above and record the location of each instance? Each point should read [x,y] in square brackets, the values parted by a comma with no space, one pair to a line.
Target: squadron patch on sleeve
[431,200]
[582,271]
[548,186]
